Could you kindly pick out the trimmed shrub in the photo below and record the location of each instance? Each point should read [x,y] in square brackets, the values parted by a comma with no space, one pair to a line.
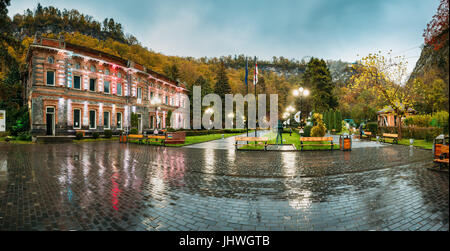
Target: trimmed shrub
[95,135]
[426,133]
[134,131]
[318,131]
[78,135]
[307,131]
[108,134]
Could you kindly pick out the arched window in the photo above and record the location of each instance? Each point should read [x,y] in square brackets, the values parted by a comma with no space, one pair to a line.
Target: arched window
[106,72]
[77,66]
[51,60]
[93,69]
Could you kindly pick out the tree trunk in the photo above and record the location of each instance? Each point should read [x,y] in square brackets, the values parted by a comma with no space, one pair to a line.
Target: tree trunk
[399,126]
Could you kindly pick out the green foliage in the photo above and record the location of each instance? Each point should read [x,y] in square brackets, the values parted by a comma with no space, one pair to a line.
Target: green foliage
[307,131]
[317,77]
[319,129]
[372,127]
[78,135]
[134,131]
[344,127]
[25,136]
[108,134]
[440,120]
[95,135]
[169,114]
[419,120]
[134,120]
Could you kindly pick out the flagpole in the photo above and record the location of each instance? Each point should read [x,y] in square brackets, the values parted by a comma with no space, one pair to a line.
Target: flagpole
[254,80]
[246,83]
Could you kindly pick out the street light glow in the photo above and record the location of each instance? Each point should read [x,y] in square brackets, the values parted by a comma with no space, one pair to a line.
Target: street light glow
[306,93]
[296,92]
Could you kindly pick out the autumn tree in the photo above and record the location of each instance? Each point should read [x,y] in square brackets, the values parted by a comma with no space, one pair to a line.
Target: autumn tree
[385,77]
[436,33]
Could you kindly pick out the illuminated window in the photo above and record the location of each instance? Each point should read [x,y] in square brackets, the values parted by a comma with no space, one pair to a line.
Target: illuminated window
[51,78]
[119,120]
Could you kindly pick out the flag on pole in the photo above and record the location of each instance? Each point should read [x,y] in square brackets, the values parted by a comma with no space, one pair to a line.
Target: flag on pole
[246,72]
[255,77]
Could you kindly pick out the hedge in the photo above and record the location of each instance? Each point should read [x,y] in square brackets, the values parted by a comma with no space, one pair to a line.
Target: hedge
[427,133]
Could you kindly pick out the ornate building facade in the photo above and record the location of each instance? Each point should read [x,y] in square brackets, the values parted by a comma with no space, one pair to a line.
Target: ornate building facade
[70,88]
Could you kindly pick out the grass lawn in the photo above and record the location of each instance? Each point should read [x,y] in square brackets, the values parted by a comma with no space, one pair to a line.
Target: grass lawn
[421,143]
[289,140]
[190,140]
[95,140]
[14,141]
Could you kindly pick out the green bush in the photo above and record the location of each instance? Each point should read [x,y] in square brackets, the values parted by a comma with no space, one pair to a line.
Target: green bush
[426,133]
[108,134]
[307,131]
[78,135]
[95,135]
[440,120]
[344,127]
[372,127]
[25,136]
[318,131]
[134,131]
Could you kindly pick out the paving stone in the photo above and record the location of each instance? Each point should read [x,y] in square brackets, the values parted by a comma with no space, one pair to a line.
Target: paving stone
[112,186]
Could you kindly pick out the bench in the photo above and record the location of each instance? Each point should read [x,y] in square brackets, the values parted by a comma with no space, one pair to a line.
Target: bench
[443,157]
[319,141]
[136,136]
[392,136]
[257,140]
[175,138]
[367,135]
[155,138]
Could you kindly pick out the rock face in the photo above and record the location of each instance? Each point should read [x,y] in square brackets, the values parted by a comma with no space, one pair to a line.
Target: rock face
[432,59]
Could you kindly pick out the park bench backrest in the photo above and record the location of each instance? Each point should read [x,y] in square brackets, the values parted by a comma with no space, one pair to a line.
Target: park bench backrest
[156,137]
[135,136]
[316,139]
[251,139]
[367,133]
[390,135]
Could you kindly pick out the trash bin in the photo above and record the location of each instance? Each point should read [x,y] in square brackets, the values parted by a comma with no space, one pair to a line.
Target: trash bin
[345,142]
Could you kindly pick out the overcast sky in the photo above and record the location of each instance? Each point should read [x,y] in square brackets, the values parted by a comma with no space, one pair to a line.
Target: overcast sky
[328,29]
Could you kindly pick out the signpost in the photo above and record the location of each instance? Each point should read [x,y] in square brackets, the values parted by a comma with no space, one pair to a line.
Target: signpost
[2,120]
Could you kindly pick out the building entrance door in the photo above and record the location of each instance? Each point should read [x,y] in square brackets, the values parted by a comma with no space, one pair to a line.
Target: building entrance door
[50,120]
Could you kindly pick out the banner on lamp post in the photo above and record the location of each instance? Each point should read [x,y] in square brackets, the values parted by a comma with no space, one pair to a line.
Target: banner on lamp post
[297,117]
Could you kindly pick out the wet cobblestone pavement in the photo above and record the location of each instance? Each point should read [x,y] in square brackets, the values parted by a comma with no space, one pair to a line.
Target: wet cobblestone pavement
[112,186]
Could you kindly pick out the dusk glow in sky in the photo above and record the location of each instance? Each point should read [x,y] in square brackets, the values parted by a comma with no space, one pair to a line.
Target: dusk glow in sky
[332,29]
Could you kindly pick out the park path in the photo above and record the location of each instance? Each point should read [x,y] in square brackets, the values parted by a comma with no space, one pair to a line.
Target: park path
[357,143]
[226,143]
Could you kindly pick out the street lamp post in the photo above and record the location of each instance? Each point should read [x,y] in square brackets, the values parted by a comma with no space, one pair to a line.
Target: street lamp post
[301,92]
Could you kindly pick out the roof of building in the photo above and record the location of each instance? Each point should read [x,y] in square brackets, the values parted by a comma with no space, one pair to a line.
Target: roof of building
[60,44]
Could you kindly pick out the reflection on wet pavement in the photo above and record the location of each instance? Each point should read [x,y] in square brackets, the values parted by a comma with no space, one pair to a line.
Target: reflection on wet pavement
[112,186]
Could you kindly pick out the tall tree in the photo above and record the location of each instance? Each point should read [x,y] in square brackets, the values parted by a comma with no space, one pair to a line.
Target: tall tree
[317,77]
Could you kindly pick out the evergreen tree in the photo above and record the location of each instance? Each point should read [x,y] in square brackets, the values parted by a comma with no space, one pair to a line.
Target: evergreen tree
[222,87]
[317,77]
